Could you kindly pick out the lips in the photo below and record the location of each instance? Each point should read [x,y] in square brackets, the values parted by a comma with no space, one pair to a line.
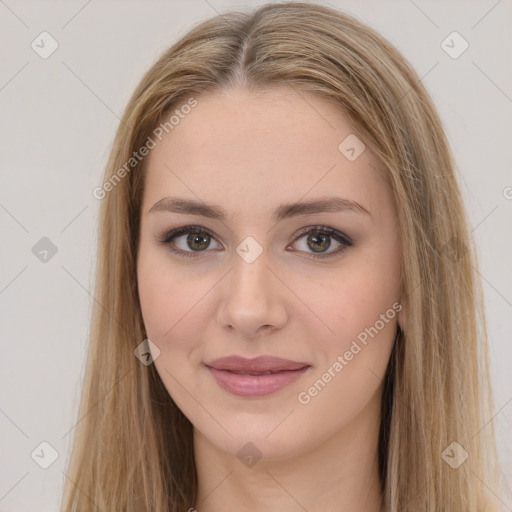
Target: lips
[258,365]
[255,377]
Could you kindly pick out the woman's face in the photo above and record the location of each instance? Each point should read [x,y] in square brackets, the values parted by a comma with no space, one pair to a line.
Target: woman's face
[257,280]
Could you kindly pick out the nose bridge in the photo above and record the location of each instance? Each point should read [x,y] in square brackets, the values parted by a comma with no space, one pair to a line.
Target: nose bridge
[250,275]
[250,299]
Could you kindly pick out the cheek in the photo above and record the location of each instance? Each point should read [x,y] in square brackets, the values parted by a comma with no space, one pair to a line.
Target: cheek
[156,304]
[360,304]
[177,313]
[171,311]
[167,298]
[354,361]
[355,297]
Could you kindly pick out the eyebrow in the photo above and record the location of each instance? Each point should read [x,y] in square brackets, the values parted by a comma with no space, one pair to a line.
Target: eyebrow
[285,211]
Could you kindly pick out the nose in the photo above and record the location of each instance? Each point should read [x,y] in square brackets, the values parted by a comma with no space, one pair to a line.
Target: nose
[253,299]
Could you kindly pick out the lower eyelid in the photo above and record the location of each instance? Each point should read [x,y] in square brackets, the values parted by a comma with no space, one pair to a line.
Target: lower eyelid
[339,237]
[175,237]
[332,251]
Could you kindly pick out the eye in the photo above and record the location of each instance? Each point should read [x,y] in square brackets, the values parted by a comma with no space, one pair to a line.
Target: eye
[196,239]
[318,238]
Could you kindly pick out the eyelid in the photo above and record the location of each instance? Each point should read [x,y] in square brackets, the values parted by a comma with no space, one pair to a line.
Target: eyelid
[183,230]
[168,236]
[326,230]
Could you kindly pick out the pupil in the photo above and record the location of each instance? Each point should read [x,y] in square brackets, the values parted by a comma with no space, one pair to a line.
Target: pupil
[202,243]
[322,238]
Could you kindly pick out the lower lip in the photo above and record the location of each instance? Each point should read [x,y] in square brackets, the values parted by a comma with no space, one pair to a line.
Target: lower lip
[255,385]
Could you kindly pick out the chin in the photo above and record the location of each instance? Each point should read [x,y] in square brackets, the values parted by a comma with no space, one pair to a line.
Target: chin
[260,441]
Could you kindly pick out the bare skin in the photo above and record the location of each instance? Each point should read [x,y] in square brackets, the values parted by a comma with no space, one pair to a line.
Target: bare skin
[248,154]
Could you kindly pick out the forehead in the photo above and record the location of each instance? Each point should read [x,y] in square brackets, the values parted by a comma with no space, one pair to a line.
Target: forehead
[237,124]
[251,151]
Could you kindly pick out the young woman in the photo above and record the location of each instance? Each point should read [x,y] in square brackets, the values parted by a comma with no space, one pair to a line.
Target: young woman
[287,316]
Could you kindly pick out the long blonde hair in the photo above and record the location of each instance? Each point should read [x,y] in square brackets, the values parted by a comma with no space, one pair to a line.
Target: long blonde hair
[133,447]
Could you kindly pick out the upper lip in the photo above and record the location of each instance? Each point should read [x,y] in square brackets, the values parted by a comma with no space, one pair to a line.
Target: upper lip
[257,364]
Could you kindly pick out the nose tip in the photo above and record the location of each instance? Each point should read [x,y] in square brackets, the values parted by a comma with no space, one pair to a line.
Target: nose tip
[251,302]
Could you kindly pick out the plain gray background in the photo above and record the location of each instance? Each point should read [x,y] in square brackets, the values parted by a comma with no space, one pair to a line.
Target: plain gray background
[58,119]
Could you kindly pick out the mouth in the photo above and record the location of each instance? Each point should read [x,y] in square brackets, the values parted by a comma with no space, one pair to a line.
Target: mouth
[256,365]
[253,382]
[256,373]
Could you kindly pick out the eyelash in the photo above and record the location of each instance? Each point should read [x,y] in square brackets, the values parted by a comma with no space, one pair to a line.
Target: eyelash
[343,239]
